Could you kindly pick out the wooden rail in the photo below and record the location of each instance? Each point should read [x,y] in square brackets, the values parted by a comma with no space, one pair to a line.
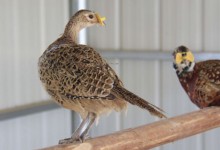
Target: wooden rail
[152,135]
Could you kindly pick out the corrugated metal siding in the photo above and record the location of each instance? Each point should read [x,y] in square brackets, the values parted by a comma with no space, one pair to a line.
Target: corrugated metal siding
[138,79]
[211,25]
[35,131]
[181,23]
[27,27]
[140,24]
[109,36]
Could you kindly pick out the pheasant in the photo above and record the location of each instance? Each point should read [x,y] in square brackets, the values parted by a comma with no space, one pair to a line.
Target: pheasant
[200,80]
[79,79]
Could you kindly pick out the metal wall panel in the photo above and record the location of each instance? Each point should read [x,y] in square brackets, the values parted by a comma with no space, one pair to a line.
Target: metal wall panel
[27,28]
[140,25]
[107,37]
[210,140]
[140,77]
[181,24]
[211,25]
[35,131]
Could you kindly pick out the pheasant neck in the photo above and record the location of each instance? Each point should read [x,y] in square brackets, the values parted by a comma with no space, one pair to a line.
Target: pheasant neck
[74,36]
[188,82]
[72,30]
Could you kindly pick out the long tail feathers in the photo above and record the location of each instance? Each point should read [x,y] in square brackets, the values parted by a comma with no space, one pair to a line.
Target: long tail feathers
[136,100]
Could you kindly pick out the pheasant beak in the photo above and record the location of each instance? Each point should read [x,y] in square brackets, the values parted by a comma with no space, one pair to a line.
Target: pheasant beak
[184,56]
[100,19]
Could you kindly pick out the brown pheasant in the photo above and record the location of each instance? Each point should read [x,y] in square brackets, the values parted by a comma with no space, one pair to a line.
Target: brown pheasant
[201,80]
[78,78]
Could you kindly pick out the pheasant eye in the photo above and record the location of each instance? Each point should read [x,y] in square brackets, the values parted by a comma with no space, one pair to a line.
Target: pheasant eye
[90,16]
[183,54]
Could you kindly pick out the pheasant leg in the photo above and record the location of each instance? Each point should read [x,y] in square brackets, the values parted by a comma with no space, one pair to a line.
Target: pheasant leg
[81,132]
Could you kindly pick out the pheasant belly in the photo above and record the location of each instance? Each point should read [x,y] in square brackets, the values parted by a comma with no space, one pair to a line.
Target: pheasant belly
[96,106]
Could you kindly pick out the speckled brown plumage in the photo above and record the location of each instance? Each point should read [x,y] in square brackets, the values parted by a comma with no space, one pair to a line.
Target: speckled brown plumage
[79,79]
[76,74]
[202,83]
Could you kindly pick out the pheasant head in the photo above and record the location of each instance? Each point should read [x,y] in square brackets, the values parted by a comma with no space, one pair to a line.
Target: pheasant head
[183,60]
[82,19]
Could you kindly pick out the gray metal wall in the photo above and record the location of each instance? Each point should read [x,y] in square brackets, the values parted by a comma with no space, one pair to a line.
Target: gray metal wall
[153,26]
[26,28]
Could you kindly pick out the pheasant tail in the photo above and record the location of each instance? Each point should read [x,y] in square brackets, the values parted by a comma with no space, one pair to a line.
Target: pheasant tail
[136,100]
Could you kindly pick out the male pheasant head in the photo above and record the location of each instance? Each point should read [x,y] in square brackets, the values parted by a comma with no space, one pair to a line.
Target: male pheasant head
[183,60]
[80,20]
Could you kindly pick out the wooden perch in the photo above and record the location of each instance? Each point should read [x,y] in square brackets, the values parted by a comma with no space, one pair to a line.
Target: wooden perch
[154,134]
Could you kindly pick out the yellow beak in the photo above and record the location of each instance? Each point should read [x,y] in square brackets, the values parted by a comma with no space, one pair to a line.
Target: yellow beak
[179,58]
[100,19]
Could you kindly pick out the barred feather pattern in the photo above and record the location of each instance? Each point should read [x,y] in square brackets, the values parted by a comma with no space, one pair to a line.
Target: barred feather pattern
[136,100]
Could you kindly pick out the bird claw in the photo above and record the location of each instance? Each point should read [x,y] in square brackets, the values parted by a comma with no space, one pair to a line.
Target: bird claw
[69,141]
[76,139]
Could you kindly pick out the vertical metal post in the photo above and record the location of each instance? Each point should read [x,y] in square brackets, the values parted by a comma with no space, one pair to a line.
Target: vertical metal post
[75,5]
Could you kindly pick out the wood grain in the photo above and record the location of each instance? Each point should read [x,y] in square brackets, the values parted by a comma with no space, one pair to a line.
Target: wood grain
[154,134]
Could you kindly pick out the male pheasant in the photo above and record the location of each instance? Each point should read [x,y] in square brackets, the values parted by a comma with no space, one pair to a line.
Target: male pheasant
[200,80]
